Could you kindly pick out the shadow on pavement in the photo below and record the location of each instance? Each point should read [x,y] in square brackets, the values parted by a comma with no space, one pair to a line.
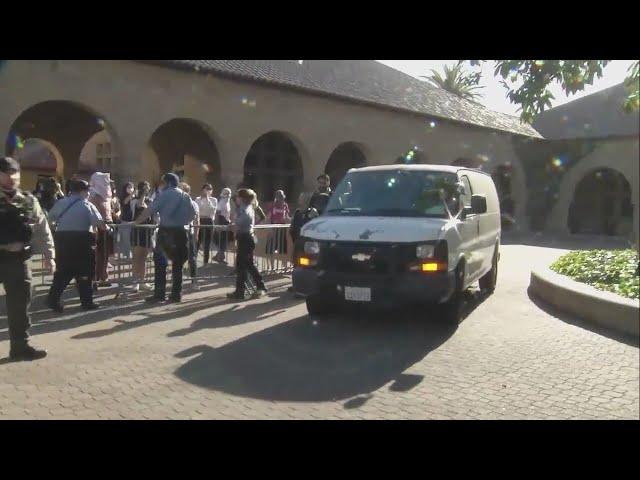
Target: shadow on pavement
[172,312]
[334,358]
[241,313]
[44,320]
[573,320]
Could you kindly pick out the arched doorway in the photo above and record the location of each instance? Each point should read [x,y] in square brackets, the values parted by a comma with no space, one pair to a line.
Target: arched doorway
[97,155]
[66,125]
[502,179]
[187,147]
[273,163]
[411,156]
[38,160]
[601,204]
[345,156]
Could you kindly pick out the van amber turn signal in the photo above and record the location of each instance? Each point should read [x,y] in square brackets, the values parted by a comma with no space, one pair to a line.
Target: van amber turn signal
[306,262]
[429,267]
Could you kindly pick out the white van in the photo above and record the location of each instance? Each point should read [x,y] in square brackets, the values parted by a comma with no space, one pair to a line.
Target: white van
[395,234]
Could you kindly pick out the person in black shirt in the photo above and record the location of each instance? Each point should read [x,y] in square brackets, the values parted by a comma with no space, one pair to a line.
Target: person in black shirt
[324,187]
[126,195]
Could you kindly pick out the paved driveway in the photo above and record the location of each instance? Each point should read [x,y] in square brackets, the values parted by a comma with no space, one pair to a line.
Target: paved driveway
[206,358]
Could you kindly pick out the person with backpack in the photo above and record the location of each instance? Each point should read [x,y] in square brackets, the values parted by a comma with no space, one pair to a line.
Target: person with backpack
[176,212]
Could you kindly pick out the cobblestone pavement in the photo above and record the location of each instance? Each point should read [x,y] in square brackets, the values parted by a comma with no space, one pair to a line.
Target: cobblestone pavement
[265,359]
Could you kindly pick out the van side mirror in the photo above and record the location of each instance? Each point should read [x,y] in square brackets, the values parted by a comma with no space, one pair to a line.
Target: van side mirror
[479,203]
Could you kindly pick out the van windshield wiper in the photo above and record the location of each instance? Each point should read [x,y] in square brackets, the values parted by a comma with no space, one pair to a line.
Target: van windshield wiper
[345,210]
[394,212]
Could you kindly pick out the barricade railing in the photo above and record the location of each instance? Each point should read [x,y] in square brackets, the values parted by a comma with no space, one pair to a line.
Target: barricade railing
[125,254]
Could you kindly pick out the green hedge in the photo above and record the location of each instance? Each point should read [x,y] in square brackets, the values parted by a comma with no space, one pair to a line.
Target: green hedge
[612,270]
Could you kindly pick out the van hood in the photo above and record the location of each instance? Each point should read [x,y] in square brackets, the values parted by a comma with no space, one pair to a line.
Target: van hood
[374,229]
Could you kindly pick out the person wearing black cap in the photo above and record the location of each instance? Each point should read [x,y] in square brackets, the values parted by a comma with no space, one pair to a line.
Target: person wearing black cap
[176,212]
[24,230]
[75,220]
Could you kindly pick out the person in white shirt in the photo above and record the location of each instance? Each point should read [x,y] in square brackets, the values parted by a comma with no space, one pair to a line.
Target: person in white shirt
[223,217]
[208,206]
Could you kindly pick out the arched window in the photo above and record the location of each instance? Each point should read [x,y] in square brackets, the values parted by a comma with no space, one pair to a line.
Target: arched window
[273,163]
[344,157]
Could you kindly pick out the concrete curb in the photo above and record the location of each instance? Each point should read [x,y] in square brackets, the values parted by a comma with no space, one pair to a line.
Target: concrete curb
[604,309]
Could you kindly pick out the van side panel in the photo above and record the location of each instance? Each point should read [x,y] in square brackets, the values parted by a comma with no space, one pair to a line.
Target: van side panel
[490,221]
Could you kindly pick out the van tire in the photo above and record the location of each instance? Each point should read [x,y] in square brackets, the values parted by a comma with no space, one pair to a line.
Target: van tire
[452,308]
[318,305]
[488,280]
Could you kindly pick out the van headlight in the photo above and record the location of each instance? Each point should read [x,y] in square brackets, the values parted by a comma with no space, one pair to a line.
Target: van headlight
[311,247]
[425,251]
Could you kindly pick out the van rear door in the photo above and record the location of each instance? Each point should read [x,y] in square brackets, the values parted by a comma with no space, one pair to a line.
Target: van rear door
[489,222]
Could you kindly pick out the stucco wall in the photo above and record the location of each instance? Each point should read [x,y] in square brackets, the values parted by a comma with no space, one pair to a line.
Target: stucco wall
[135,99]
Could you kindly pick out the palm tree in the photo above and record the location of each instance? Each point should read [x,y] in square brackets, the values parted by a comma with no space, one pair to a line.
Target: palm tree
[456,81]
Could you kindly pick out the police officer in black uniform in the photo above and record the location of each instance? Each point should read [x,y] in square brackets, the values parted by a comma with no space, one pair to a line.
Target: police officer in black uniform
[23,231]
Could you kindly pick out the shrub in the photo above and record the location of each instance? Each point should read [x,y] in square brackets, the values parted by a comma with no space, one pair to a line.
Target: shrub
[612,270]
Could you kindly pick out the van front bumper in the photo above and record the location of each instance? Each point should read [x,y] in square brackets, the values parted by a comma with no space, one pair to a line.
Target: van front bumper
[385,290]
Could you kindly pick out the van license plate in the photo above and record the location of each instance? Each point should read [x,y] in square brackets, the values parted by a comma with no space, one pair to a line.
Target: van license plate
[357,294]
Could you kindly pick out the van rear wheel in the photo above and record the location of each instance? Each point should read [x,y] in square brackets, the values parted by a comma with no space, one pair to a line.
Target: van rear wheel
[488,280]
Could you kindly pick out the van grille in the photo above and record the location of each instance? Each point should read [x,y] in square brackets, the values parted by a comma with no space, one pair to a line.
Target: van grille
[367,258]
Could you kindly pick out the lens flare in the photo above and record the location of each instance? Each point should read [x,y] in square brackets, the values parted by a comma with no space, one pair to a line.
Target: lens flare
[16,142]
[558,162]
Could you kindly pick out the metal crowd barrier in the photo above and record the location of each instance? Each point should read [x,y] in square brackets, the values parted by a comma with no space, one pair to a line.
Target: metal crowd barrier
[130,245]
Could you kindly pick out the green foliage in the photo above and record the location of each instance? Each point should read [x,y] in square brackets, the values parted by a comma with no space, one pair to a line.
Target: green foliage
[457,81]
[527,81]
[632,84]
[611,270]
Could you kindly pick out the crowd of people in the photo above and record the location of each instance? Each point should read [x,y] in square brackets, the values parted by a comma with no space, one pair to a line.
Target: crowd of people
[74,232]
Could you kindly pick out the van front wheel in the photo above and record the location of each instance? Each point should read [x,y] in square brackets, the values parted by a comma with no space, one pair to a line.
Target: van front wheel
[453,308]
[488,280]
[318,305]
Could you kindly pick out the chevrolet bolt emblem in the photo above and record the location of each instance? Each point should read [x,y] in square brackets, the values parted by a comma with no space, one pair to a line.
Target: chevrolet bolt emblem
[361,257]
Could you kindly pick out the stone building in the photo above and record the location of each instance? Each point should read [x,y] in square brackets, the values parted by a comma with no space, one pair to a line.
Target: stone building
[268,124]
[591,147]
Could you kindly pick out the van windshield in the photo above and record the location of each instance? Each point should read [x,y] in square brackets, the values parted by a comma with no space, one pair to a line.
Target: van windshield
[396,193]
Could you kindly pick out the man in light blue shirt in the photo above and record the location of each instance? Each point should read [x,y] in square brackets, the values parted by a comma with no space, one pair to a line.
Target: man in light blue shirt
[75,220]
[75,214]
[176,212]
[173,205]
